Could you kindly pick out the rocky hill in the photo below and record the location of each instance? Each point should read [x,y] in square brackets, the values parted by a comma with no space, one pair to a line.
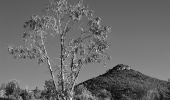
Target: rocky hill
[123,83]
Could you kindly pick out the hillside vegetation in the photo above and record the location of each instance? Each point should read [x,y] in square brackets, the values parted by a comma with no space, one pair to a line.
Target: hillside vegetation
[123,85]
[119,83]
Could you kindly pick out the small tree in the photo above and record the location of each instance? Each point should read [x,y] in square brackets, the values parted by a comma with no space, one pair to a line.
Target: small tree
[49,90]
[88,47]
[12,88]
[25,95]
[36,93]
[2,90]
[168,79]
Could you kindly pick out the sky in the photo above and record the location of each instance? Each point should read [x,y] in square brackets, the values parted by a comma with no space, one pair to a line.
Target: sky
[140,38]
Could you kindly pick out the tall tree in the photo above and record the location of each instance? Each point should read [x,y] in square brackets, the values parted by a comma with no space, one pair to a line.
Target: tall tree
[88,46]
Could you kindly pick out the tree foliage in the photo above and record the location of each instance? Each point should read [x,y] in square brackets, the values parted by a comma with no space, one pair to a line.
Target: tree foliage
[36,93]
[49,90]
[25,94]
[12,87]
[88,47]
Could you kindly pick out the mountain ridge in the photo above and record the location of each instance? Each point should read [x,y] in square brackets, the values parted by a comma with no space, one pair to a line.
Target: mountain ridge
[123,83]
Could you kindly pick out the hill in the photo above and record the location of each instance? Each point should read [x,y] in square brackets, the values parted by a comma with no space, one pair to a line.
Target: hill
[123,84]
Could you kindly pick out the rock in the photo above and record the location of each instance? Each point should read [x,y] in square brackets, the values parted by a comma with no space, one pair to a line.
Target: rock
[121,67]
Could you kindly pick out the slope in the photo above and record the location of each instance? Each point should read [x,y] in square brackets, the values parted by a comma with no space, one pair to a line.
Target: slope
[123,85]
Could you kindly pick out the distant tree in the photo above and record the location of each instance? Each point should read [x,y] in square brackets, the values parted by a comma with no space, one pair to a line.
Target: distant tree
[49,90]
[2,90]
[3,85]
[25,94]
[13,89]
[37,93]
[86,47]
[169,80]
[2,93]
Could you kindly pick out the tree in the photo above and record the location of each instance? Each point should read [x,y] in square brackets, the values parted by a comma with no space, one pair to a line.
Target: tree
[88,47]
[49,90]
[168,80]
[37,93]
[12,88]
[2,87]
[2,92]
[25,94]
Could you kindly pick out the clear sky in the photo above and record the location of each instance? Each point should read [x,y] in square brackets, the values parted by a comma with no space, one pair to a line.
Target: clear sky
[140,38]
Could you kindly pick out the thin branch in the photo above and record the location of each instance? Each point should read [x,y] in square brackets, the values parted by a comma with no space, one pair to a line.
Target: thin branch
[61,60]
[75,78]
[65,28]
[51,72]
[50,69]
[49,66]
